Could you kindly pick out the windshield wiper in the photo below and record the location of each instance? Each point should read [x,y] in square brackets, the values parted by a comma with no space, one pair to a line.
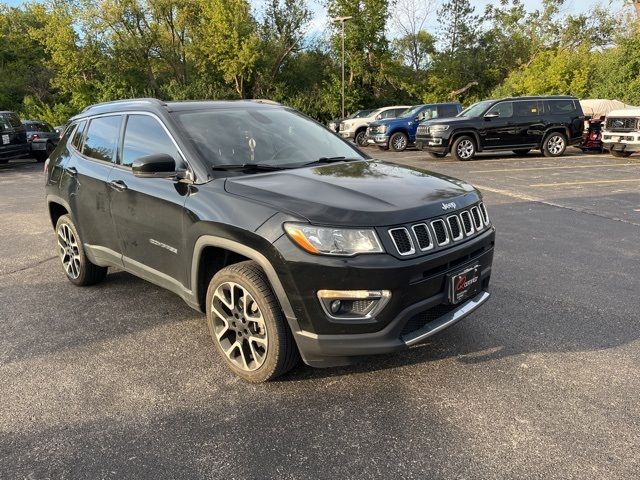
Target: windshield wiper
[330,160]
[254,167]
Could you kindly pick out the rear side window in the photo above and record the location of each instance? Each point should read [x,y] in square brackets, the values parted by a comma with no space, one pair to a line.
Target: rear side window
[145,136]
[447,111]
[527,108]
[76,141]
[102,137]
[562,106]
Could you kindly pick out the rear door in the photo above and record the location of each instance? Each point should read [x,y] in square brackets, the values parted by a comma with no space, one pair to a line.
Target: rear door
[529,123]
[93,152]
[148,212]
[499,131]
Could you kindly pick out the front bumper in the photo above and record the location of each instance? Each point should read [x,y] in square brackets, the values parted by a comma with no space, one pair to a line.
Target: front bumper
[418,307]
[432,144]
[621,141]
[379,139]
[347,134]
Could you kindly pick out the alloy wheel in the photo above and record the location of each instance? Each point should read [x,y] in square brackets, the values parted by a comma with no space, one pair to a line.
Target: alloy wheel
[465,149]
[555,144]
[239,326]
[69,251]
[399,142]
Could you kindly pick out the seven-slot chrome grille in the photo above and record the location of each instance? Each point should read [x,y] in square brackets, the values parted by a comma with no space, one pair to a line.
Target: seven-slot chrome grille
[441,232]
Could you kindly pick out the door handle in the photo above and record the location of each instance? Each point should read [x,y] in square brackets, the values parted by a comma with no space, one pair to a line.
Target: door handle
[118,185]
[73,171]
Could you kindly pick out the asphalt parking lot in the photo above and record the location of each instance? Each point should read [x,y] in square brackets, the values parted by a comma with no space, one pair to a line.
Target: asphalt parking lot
[120,380]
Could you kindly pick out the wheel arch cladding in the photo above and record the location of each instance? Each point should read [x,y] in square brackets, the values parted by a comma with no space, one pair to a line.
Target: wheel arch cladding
[56,210]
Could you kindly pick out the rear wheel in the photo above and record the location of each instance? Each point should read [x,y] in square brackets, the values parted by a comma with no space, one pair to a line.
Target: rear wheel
[522,152]
[246,323]
[398,142]
[464,148]
[361,138]
[620,154]
[554,144]
[78,268]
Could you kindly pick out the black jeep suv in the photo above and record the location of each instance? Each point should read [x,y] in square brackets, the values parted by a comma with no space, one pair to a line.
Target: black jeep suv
[519,124]
[13,137]
[292,240]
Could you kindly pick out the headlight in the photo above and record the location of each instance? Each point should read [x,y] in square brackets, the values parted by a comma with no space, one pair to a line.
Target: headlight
[438,128]
[333,241]
[382,129]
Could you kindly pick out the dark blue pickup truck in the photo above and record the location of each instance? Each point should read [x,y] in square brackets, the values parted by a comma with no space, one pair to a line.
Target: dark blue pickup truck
[398,133]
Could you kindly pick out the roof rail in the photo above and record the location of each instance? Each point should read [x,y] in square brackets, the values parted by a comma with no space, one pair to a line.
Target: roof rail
[128,100]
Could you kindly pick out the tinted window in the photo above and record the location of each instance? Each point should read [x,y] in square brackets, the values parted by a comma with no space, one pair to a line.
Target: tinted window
[430,113]
[145,136]
[504,109]
[4,122]
[101,138]
[14,120]
[562,106]
[77,136]
[527,108]
[447,111]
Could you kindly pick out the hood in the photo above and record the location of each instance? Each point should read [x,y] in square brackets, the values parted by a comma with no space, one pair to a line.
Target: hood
[362,193]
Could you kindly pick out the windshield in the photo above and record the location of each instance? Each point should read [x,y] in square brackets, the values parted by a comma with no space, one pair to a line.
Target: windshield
[361,114]
[476,109]
[275,137]
[411,112]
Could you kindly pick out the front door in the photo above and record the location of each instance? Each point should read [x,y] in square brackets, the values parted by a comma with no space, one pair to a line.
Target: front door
[148,212]
[499,131]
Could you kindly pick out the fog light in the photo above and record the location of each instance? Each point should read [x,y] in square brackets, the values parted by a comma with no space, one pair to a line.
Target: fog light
[353,305]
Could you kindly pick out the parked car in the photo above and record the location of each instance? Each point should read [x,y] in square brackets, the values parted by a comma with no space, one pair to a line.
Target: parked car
[596,110]
[355,129]
[13,137]
[399,133]
[292,240]
[519,124]
[621,135]
[42,138]
[334,124]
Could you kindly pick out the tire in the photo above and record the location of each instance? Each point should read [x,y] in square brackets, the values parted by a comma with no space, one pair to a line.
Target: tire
[522,152]
[437,155]
[464,148]
[360,138]
[235,335]
[78,268]
[398,142]
[620,154]
[554,144]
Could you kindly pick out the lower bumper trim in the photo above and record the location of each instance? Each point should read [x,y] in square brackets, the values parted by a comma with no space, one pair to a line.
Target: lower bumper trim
[446,320]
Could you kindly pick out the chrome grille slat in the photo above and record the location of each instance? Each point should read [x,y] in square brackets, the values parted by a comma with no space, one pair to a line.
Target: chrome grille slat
[402,241]
[467,223]
[441,232]
[455,227]
[423,236]
[485,214]
[477,219]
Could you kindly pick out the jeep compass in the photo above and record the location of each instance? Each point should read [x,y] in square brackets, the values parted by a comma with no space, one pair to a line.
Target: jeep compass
[294,242]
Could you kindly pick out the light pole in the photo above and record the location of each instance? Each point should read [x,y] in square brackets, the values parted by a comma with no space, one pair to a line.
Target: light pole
[342,20]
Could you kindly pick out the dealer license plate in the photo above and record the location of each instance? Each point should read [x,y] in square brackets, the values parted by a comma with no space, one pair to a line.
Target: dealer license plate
[464,284]
[5,139]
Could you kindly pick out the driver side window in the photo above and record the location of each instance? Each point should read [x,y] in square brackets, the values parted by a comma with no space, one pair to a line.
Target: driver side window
[145,136]
[503,109]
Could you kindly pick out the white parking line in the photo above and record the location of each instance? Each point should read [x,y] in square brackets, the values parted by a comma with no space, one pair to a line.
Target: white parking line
[564,167]
[589,182]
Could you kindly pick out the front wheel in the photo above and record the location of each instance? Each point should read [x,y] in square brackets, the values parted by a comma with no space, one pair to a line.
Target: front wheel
[78,268]
[620,154]
[246,323]
[554,144]
[398,142]
[361,138]
[464,148]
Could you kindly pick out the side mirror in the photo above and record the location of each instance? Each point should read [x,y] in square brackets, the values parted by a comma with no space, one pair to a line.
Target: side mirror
[159,165]
[491,115]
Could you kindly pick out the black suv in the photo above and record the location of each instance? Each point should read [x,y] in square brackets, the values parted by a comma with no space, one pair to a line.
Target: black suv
[13,137]
[519,124]
[289,238]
